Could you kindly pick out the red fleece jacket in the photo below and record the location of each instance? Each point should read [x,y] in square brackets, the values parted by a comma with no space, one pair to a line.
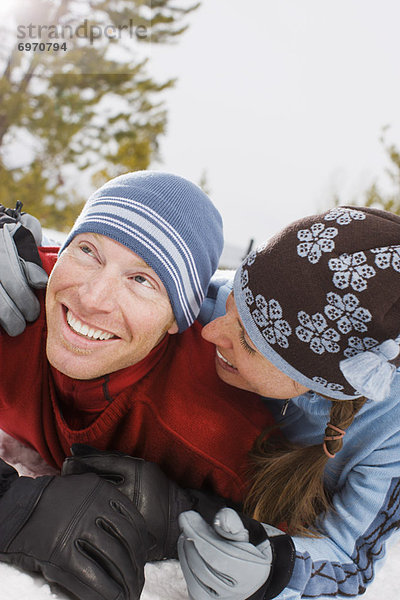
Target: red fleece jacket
[171,408]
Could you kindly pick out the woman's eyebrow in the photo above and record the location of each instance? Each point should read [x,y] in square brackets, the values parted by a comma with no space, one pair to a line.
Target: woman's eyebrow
[244,332]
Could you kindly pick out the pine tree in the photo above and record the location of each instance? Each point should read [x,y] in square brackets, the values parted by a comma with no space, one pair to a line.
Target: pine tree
[90,109]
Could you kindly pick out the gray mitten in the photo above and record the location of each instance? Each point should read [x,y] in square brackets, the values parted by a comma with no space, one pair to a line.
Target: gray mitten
[235,559]
[20,269]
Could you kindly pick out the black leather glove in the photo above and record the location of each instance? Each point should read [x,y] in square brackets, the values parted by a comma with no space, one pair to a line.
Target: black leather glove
[158,499]
[78,531]
[20,269]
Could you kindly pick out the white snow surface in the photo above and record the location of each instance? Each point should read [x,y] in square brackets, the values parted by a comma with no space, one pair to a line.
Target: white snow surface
[164,580]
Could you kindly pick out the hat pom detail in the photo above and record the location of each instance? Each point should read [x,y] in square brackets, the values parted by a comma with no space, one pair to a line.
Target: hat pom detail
[370,373]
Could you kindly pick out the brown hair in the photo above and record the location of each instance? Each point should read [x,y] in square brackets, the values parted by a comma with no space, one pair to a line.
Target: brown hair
[287,481]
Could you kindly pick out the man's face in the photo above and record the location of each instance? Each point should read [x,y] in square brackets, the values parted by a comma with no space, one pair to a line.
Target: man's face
[106,308]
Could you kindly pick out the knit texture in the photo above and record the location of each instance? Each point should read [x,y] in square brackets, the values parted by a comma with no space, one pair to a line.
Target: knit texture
[325,289]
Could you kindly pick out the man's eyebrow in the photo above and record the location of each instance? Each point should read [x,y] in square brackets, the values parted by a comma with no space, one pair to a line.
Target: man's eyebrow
[142,263]
[139,262]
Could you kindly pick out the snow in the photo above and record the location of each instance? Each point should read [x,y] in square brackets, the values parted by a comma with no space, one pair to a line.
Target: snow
[164,580]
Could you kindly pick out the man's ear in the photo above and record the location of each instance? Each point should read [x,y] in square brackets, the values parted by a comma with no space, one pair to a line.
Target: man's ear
[174,328]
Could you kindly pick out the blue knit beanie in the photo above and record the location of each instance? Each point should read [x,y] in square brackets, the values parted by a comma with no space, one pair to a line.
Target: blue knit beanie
[170,223]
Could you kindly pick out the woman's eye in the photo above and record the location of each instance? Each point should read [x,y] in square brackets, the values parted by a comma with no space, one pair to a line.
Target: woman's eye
[244,344]
[143,281]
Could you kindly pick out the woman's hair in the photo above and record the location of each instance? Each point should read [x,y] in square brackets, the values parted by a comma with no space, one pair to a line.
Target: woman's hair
[287,481]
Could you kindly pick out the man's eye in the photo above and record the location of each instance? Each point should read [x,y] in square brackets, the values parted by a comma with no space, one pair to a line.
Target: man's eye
[86,249]
[143,280]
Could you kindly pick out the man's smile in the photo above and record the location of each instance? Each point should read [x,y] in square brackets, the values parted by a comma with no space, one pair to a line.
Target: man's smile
[86,330]
[105,309]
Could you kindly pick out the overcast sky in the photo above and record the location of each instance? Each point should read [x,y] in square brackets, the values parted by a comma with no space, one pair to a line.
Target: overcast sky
[282,103]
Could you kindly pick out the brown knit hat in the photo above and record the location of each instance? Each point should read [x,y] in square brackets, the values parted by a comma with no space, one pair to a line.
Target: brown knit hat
[321,301]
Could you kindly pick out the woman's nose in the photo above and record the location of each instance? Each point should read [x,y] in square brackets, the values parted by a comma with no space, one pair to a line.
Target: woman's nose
[218,332]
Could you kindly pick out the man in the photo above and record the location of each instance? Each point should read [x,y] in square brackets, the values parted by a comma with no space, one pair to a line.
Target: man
[115,360]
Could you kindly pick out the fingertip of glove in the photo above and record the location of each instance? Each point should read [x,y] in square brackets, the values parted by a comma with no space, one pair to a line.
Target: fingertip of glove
[188,517]
[228,524]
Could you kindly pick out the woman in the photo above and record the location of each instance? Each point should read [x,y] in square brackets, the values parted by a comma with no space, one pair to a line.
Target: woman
[312,325]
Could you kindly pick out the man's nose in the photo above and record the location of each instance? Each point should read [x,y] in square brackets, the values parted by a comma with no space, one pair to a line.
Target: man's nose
[99,294]
[218,332]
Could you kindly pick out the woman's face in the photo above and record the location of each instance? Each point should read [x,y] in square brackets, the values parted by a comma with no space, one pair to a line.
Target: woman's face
[239,363]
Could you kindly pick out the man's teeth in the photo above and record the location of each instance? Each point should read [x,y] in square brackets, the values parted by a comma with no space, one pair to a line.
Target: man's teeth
[224,359]
[83,329]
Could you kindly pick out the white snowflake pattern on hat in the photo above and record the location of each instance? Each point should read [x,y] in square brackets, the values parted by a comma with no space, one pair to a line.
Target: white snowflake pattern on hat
[244,278]
[268,317]
[316,240]
[387,256]
[334,387]
[351,270]
[357,345]
[248,295]
[344,216]
[347,312]
[251,258]
[314,331]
